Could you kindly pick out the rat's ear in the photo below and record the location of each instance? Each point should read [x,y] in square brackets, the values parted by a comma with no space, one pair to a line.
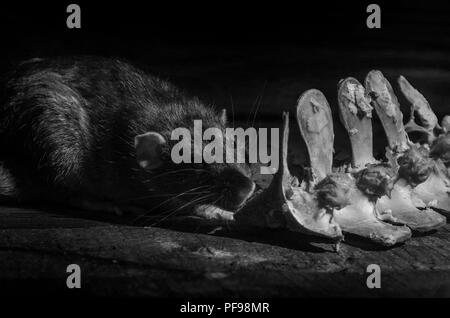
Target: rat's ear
[149,149]
[223,116]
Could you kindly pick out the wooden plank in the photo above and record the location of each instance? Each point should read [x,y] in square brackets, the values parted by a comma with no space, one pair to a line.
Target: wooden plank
[121,260]
[15,217]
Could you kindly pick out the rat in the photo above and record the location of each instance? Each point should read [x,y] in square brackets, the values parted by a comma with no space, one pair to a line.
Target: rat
[95,133]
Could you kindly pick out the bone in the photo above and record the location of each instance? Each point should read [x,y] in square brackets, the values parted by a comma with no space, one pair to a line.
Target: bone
[282,179]
[388,110]
[316,127]
[286,205]
[421,107]
[435,192]
[355,114]
[360,218]
[440,149]
[404,210]
[403,155]
[445,123]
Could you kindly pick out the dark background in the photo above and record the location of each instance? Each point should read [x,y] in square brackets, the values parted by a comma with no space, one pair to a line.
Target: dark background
[248,57]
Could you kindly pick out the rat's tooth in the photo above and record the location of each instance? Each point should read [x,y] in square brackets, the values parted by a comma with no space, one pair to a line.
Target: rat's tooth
[420,106]
[388,109]
[316,126]
[355,114]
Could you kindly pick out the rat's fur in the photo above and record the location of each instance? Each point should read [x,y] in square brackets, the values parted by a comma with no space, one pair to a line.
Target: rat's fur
[67,129]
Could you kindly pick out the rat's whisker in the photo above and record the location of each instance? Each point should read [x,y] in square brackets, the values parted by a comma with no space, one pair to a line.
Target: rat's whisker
[172,195]
[173,212]
[166,201]
[181,171]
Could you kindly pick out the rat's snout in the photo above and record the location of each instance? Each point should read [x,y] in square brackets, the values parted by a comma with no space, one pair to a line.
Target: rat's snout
[245,192]
[237,188]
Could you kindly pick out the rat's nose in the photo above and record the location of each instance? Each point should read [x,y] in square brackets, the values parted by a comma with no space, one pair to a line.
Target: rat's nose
[245,192]
[238,187]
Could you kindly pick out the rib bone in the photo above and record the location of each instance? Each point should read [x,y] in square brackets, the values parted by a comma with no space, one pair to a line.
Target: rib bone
[388,110]
[420,106]
[316,127]
[355,113]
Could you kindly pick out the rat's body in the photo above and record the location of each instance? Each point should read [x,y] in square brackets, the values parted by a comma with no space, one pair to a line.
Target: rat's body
[68,129]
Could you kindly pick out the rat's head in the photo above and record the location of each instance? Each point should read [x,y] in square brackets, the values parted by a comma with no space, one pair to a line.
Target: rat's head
[177,169]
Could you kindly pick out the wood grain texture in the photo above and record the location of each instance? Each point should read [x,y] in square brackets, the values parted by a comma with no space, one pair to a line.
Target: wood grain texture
[123,260]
